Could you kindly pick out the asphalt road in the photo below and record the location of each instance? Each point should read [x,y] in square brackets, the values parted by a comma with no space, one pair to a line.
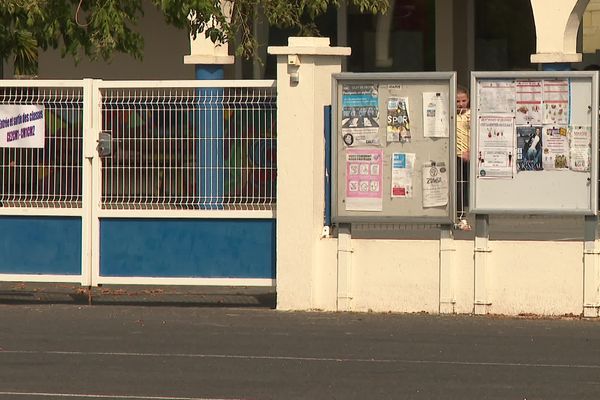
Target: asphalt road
[58,351]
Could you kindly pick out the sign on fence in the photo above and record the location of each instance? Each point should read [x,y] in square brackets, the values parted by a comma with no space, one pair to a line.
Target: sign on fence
[22,125]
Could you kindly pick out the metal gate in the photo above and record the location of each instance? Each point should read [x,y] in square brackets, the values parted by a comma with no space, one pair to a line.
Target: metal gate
[153,182]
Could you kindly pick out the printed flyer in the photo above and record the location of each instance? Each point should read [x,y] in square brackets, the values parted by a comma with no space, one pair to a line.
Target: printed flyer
[555,149]
[435,114]
[360,115]
[435,184]
[496,96]
[496,142]
[398,121]
[529,148]
[22,126]
[364,179]
[580,148]
[556,102]
[403,165]
[529,102]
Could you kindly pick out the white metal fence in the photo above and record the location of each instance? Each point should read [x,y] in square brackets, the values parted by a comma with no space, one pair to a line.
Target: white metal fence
[189,147]
[180,149]
[50,176]
[173,146]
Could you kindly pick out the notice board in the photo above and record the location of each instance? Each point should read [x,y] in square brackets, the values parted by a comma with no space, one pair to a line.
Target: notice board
[534,142]
[393,152]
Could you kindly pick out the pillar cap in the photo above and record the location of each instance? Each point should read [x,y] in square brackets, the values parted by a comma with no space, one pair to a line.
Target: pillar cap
[206,59]
[310,46]
[547,58]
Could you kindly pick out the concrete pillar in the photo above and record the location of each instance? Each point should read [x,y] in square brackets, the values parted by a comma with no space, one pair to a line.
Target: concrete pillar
[556,26]
[304,69]
[206,55]
[210,60]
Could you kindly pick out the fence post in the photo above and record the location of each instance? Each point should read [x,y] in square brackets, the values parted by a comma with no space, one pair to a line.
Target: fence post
[447,275]
[90,135]
[93,188]
[591,268]
[304,69]
[344,268]
[481,302]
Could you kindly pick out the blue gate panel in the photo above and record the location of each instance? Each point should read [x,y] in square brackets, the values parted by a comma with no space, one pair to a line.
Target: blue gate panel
[213,248]
[40,245]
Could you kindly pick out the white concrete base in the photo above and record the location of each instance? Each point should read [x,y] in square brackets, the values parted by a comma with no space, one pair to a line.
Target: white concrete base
[524,277]
[591,311]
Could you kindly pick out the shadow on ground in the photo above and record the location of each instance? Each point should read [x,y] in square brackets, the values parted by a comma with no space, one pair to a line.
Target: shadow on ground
[180,296]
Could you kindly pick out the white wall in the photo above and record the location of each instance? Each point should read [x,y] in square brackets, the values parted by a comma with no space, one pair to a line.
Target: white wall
[390,275]
[532,265]
[524,277]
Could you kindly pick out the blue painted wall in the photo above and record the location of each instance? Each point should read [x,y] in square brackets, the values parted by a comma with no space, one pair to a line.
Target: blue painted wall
[213,248]
[40,245]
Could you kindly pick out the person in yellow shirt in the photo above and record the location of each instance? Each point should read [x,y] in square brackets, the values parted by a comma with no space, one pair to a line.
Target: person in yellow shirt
[463,141]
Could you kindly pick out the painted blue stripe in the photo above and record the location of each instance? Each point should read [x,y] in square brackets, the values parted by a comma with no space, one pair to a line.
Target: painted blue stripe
[221,248]
[210,145]
[570,102]
[327,133]
[40,245]
[210,148]
[209,72]
[556,67]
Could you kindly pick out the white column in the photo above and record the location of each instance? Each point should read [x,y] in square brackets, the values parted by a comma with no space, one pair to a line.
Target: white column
[304,69]
[204,51]
[556,26]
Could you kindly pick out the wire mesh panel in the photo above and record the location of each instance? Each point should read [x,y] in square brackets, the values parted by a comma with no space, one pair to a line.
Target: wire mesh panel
[50,175]
[189,148]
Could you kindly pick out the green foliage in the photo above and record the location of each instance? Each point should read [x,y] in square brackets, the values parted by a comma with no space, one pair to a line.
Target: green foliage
[99,28]
[95,29]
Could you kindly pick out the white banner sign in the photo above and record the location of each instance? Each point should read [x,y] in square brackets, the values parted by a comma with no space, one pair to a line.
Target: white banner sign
[22,125]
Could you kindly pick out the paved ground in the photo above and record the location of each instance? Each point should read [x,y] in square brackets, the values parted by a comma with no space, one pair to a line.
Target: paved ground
[57,351]
[192,296]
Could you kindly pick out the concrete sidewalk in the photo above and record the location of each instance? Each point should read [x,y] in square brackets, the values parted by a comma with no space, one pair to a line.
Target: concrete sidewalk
[202,296]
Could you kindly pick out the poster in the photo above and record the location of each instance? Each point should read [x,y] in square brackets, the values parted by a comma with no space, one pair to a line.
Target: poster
[555,148]
[22,126]
[435,114]
[496,143]
[529,102]
[556,102]
[403,165]
[435,184]
[529,148]
[360,115]
[496,96]
[580,148]
[364,179]
[398,122]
